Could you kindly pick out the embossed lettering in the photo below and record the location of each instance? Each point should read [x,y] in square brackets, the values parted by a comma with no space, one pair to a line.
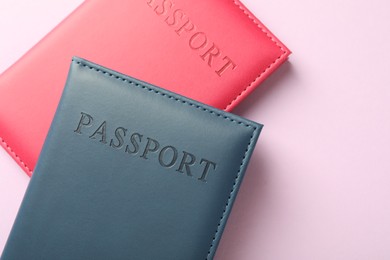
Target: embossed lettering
[206,168]
[228,64]
[175,16]
[198,41]
[120,133]
[85,120]
[150,2]
[134,142]
[162,153]
[164,7]
[194,40]
[213,51]
[151,146]
[187,27]
[186,163]
[102,132]
[167,156]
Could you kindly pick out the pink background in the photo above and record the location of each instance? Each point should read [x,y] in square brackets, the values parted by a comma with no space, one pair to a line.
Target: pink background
[318,186]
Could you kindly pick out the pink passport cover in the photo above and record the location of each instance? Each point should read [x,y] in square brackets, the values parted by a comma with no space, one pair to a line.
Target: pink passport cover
[213,51]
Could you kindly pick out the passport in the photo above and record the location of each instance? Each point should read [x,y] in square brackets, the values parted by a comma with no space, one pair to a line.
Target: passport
[131,171]
[212,51]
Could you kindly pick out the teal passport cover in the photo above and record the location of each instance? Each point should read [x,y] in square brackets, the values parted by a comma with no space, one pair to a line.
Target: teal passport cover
[131,171]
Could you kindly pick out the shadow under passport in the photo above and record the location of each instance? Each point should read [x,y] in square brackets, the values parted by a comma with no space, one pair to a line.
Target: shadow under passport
[252,197]
[272,84]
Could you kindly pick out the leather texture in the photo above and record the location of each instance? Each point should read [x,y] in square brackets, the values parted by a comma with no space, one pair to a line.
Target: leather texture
[179,45]
[93,195]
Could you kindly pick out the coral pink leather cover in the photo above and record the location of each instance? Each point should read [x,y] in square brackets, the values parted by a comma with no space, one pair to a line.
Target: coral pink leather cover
[213,51]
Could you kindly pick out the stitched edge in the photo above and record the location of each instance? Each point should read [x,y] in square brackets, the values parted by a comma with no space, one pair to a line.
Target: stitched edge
[284,53]
[178,99]
[234,187]
[240,6]
[9,149]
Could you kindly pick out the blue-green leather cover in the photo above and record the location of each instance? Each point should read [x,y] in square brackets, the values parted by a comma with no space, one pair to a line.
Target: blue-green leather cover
[131,171]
